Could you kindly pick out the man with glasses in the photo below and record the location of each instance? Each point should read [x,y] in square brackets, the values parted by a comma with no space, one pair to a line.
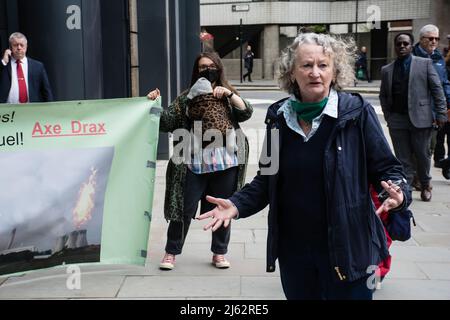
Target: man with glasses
[406,87]
[427,48]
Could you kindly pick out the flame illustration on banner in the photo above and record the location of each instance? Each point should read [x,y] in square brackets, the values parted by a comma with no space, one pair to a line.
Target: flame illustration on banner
[82,212]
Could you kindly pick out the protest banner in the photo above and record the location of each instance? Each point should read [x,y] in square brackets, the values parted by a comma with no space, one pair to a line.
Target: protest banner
[76,181]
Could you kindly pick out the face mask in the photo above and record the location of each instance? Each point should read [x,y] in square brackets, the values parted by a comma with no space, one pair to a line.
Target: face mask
[211,74]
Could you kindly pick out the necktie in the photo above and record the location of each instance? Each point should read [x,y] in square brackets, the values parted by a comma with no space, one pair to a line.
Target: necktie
[23,95]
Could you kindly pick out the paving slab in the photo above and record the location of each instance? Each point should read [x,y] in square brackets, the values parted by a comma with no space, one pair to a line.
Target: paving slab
[261,287]
[182,286]
[430,223]
[435,271]
[239,267]
[399,289]
[433,239]
[405,270]
[420,254]
[93,285]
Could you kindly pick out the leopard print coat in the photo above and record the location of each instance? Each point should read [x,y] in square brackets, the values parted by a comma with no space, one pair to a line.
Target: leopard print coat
[175,118]
[214,113]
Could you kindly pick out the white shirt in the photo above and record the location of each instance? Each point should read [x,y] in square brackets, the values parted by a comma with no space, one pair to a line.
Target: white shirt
[13,97]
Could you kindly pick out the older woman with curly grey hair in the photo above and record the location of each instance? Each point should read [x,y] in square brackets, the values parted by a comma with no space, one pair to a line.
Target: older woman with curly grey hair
[329,146]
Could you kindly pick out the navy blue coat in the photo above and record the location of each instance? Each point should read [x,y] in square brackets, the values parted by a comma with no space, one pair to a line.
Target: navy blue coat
[357,154]
[39,89]
[439,66]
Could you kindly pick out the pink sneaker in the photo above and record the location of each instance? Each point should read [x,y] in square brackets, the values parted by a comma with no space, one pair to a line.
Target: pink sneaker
[168,262]
[220,262]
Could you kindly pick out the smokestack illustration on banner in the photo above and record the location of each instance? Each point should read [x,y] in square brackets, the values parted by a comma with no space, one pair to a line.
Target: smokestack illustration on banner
[72,241]
[81,214]
[82,239]
[60,244]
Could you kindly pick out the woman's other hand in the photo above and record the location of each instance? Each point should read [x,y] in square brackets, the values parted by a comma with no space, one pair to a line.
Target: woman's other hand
[395,198]
[153,95]
[221,214]
[221,92]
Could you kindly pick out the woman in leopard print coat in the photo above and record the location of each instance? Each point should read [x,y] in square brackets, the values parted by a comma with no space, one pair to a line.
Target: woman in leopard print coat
[188,183]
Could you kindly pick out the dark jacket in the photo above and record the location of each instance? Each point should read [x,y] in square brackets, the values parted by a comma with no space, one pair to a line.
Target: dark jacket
[357,155]
[248,59]
[361,62]
[439,66]
[426,99]
[39,89]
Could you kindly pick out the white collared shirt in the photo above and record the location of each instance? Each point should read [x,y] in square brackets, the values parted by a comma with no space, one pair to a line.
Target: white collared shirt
[13,97]
[331,109]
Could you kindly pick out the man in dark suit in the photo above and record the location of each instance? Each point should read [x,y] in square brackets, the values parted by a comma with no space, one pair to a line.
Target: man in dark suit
[22,79]
[407,86]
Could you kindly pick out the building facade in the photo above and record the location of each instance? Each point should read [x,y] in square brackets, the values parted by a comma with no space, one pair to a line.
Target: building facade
[103,49]
[270,25]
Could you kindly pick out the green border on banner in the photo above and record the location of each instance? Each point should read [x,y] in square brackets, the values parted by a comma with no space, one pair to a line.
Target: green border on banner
[131,127]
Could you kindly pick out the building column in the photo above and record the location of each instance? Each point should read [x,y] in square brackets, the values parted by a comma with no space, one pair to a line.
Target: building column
[271,46]
[440,10]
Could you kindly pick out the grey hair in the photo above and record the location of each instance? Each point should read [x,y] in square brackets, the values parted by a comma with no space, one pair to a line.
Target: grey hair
[342,51]
[17,35]
[428,28]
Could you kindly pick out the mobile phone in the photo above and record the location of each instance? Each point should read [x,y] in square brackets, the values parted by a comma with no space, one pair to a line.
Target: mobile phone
[383,195]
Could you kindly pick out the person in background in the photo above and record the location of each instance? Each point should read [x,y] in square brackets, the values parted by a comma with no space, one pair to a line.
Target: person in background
[407,85]
[328,147]
[248,63]
[22,79]
[217,170]
[427,47]
[447,48]
[361,65]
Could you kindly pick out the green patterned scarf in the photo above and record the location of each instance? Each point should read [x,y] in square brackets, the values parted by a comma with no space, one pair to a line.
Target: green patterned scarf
[307,111]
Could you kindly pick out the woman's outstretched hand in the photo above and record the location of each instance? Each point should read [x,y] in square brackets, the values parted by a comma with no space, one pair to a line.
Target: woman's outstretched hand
[221,214]
[395,198]
[153,95]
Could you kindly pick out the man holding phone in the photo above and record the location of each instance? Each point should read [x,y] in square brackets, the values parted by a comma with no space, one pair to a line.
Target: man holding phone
[22,79]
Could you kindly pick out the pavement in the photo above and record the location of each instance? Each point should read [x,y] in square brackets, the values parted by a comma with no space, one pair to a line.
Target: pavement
[420,266]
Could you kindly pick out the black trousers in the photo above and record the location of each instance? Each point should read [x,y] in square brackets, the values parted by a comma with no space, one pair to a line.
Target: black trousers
[308,275]
[248,74]
[410,142]
[221,184]
[439,149]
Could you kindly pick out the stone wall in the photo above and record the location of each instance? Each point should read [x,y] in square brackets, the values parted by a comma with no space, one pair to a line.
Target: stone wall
[232,69]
